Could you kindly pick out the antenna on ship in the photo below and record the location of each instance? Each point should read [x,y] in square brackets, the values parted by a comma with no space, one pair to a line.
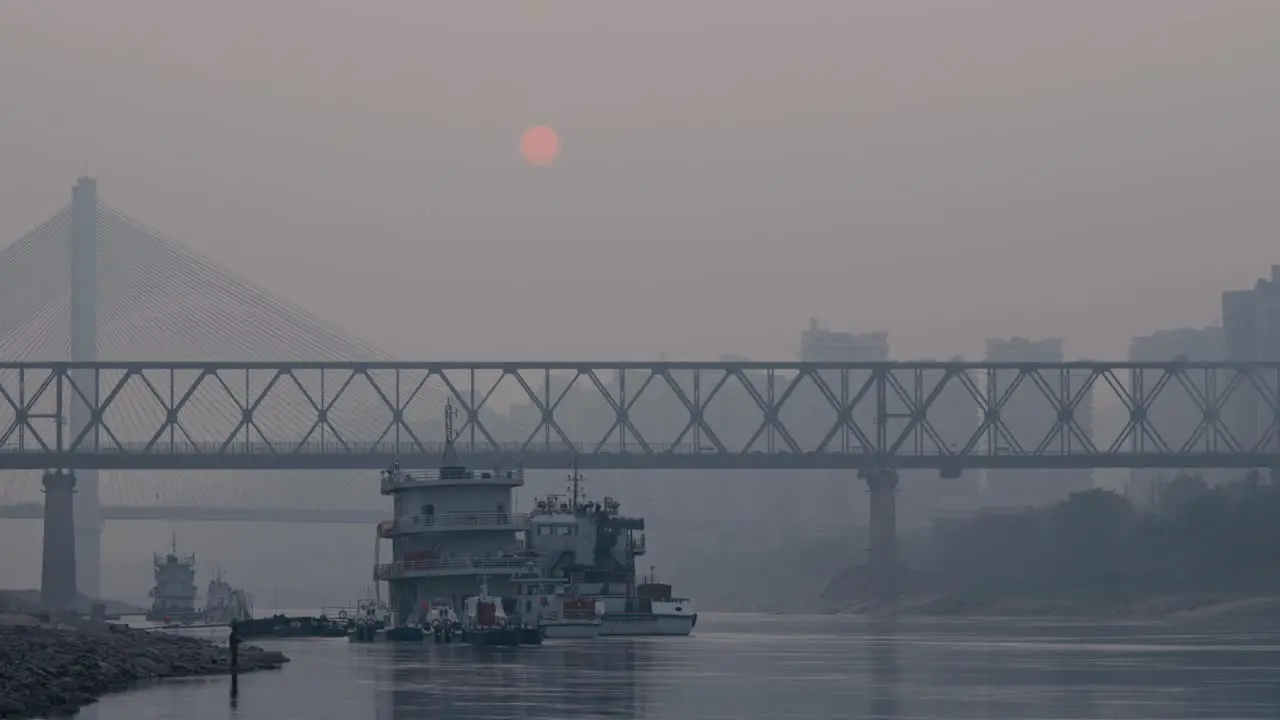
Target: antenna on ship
[576,479]
[450,453]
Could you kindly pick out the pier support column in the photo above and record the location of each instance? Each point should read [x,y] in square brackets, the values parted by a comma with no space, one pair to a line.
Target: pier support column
[883,486]
[58,570]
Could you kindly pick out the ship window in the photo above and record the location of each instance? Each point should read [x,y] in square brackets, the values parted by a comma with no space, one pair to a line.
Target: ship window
[564,529]
[544,529]
[428,509]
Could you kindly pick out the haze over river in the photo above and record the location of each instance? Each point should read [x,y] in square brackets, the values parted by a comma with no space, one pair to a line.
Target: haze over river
[755,666]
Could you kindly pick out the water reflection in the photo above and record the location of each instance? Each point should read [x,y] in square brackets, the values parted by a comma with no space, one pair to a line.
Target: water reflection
[882,653]
[763,667]
[558,680]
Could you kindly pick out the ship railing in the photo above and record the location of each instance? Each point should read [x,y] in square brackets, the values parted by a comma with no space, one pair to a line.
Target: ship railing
[388,571]
[452,521]
[393,479]
[162,559]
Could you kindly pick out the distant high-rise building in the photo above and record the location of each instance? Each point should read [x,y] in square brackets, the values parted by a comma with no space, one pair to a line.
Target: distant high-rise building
[809,415]
[1030,417]
[953,415]
[1174,413]
[1251,332]
[819,345]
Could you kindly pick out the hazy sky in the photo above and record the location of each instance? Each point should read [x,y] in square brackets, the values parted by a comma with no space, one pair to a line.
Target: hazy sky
[941,170]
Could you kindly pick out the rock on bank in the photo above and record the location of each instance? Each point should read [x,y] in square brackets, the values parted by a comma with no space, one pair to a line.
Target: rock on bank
[46,668]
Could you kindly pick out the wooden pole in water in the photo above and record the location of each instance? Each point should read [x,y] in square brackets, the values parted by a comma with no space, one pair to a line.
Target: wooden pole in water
[234,643]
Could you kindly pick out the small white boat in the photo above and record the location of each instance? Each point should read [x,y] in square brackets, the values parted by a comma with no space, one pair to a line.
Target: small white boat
[552,606]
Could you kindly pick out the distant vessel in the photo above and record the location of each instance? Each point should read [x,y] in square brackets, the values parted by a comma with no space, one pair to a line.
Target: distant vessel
[174,594]
[225,604]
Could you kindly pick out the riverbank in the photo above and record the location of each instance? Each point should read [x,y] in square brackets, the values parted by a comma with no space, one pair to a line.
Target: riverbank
[58,667]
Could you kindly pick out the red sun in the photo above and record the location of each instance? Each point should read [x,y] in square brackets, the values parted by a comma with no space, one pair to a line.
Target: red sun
[540,145]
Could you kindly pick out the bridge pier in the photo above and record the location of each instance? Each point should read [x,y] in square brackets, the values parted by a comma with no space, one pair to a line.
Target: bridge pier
[882,483]
[58,567]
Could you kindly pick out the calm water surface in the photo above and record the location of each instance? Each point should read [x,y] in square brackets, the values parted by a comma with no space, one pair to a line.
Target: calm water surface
[748,666]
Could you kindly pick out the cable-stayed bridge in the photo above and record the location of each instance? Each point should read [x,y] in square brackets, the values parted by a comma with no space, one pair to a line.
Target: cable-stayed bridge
[121,351]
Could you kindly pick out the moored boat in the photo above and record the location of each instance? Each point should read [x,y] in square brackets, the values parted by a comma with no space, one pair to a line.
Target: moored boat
[442,621]
[286,626]
[485,622]
[550,605]
[224,604]
[452,527]
[651,610]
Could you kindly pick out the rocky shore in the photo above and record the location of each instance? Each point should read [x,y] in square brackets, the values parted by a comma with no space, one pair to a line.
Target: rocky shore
[49,668]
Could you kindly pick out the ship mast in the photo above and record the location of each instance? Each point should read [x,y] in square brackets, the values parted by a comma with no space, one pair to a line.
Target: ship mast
[575,479]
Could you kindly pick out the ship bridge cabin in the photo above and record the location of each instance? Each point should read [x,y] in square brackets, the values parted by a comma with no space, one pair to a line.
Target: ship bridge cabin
[568,536]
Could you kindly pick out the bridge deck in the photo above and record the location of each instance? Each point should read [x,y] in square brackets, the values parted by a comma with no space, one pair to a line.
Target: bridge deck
[644,416]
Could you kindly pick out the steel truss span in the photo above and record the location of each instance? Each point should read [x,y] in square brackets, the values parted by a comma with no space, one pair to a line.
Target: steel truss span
[642,415]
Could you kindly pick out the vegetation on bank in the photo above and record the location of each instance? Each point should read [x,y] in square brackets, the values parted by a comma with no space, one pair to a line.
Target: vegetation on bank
[1096,552]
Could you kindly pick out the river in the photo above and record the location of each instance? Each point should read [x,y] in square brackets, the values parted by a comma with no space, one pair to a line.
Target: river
[759,666]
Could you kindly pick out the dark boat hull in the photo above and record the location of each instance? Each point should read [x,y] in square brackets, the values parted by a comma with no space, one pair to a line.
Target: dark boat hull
[404,634]
[292,627]
[492,638]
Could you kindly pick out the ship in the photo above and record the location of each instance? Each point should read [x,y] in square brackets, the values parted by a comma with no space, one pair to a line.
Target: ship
[552,606]
[453,530]
[224,604]
[173,599]
[594,547]
[491,620]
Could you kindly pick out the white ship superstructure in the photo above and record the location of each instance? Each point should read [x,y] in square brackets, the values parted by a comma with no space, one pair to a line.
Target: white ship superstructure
[452,528]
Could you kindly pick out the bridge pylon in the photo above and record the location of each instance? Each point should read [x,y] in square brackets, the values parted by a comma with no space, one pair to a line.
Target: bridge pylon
[84,348]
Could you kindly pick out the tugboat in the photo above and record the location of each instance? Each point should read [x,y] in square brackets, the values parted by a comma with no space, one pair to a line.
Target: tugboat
[594,547]
[174,594]
[225,604]
[371,622]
